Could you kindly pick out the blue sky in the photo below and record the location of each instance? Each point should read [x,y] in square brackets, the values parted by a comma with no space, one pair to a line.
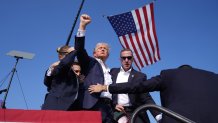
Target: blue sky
[187,32]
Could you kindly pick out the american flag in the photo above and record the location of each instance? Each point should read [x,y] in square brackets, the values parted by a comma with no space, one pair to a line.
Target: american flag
[136,31]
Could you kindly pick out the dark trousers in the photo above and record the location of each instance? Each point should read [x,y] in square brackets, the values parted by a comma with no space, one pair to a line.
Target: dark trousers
[105,106]
[76,106]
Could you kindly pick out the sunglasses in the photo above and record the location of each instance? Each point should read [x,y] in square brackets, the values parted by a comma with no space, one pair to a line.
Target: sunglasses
[126,57]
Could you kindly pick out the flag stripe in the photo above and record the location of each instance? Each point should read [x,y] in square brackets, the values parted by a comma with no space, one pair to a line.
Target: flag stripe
[157,52]
[145,42]
[139,40]
[134,43]
[144,36]
[141,49]
[135,48]
[148,29]
[151,36]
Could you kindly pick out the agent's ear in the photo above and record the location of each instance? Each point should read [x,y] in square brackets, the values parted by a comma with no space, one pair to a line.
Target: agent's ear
[94,54]
[58,49]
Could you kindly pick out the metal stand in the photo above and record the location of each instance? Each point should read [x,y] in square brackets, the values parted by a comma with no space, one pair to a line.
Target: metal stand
[74,24]
[18,55]
[9,84]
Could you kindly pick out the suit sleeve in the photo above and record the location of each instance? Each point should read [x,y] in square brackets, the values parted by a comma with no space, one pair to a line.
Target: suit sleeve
[141,86]
[82,55]
[146,98]
[65,63]
[47,81]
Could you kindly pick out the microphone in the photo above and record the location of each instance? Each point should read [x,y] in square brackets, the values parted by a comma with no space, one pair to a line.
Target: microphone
[4,90]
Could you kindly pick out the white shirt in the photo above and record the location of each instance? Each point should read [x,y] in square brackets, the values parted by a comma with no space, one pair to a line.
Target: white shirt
[122,77]
[80,33]
[49,71]
[107,78]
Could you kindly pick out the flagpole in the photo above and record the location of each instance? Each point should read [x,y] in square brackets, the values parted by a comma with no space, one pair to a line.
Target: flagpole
[74,24]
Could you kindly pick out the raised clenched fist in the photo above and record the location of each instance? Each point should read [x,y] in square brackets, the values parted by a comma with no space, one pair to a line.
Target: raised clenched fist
[84,20]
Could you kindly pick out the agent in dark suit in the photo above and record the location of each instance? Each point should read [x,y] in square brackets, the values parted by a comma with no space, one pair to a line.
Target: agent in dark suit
[188,91]
[77,105]
[61,82]
[95,71]
[129,102]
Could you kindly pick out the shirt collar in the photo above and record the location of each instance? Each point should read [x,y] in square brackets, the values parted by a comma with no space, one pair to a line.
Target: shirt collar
[122,70]
[99,60]
[103,64]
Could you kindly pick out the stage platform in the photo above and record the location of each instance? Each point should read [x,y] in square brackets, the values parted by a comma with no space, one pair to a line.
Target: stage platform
[18,115]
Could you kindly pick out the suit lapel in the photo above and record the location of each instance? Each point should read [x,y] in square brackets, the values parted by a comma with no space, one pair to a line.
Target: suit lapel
[132,75]
[130,79]
[115,74]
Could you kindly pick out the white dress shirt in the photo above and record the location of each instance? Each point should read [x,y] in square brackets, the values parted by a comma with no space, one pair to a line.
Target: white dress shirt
[122,77]
[107,79]
[49,71]
[80,33]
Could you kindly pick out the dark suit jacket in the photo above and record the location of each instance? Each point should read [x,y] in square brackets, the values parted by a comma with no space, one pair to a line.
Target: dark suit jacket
[190,92]
[135,99]
[92,71]
[62,85]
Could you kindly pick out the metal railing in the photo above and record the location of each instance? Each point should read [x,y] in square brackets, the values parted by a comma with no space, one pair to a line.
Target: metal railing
[163,110]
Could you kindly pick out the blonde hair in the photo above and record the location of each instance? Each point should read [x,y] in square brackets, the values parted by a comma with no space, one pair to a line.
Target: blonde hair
[63,48]
[101,43]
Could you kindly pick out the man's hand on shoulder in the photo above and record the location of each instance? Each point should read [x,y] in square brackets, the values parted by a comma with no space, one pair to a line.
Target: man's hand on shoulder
[52,67]
[97,88]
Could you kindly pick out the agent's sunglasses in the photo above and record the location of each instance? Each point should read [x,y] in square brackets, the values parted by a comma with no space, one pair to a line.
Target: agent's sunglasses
[126,57]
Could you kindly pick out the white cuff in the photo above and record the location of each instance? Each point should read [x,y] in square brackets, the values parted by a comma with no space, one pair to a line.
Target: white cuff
[158,117]
[107,88]
[81,33]
[49,71]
